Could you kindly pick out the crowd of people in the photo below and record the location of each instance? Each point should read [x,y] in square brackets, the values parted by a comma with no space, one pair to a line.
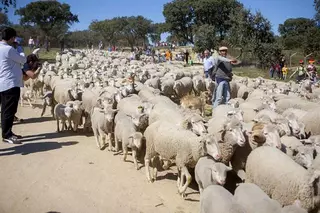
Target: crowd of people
[15,68]
[280,71]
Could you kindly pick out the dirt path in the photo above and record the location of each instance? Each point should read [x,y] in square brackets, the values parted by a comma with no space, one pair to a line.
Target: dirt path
[68,174]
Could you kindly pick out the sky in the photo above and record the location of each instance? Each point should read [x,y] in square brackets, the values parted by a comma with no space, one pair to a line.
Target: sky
[277,11]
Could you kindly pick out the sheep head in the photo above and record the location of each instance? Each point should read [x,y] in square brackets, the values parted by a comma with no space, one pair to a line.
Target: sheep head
[304,155]
[209,146]
[232,132]
[195,123]
[219,172]
[136,139]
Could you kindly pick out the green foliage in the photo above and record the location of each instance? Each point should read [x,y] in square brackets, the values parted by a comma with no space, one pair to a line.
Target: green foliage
[205,38]
[317,7]
[267,53]
[131,29]
[52,17]
[4,21]
[180,19]
[5,4]
[294,32]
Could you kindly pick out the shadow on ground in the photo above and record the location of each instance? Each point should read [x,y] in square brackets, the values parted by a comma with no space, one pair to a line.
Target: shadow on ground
[31,148]
[34,120]
[51,135]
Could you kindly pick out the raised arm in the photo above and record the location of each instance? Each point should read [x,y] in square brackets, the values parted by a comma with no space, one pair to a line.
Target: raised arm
[15,56]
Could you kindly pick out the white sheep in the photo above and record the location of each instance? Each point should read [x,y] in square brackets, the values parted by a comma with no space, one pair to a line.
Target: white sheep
[172,142]
[77,114]
[47,101]
[209,172]
[26,95]
[183,86]
[62,113]
[259,135]
[293,209]
[281,178]
[253,199]
[125,132]
[215,198]
[199,84]
[102,125]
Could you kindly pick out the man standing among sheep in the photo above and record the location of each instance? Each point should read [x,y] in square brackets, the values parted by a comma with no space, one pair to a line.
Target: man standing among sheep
[10,83]
[222,74]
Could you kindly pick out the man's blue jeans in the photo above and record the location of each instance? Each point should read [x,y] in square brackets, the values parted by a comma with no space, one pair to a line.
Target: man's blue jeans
[222,94]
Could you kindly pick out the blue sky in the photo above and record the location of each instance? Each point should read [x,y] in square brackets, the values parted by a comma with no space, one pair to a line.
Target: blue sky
[277,11]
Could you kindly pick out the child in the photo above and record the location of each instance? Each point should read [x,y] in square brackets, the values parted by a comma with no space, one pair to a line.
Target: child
[285,72]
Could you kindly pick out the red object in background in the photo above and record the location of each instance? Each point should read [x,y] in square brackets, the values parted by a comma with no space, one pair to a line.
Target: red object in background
[301,61]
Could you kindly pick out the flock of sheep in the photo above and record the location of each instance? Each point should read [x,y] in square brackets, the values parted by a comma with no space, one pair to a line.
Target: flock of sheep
[263,146]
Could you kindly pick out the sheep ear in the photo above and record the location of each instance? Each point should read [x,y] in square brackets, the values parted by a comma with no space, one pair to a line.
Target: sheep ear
[228,168]
[256,120]
[231,113]
[314,177]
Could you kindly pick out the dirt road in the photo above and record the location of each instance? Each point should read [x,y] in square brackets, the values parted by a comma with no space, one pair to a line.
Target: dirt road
[66,173]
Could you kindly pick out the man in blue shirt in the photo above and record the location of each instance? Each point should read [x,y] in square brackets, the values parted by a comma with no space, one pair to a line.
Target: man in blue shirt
[10,83]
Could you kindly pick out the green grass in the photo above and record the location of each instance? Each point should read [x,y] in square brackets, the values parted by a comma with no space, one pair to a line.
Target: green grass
[44,55]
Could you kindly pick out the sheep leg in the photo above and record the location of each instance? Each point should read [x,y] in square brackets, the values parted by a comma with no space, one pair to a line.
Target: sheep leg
[147,165]
[63,122]
[125,152]
[75,126]
[43,108]
[21,102]
[242,175]
[29,102]
[58,129]
[103,138]
[52,110]
[179,178]
[155,173]
[70,124]
[96,135]
[183,189]
[134,155]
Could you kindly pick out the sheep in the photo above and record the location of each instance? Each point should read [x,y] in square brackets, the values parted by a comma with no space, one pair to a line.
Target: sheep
[254,200]
[243,92]
[215,198]
[26,94]
[311,122]
[63,113]
[76,116]
[172,142]
[199,84]
[296,103]
[281,178]
[251,108]
[228,110]
[126,133]
[167,87]
[229,133]
[235,103]
[185,119]
[183,87]
[209,172]
[103,124]
[47,101]
[260,135]
[303,155]
[153,82]
[293,209]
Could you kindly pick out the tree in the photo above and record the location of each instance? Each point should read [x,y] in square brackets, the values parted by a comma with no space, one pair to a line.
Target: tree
[4,21]
[5,4]
[108,29]
[49,16]
[317,7]
[205,38]
[293,31]
[179,17]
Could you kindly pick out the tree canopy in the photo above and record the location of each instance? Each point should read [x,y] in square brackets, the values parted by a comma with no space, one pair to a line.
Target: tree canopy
[5,4]
[52,17]
[133,29]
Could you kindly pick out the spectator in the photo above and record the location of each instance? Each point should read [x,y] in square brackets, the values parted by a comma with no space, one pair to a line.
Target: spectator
[312,70]
[31,43]
[186,56]
[10,83]
[223,75]
[301,72]
[31,68]
[272,70]
[285,71]
[207,63]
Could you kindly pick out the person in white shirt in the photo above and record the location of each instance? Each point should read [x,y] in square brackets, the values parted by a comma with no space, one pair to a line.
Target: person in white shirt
[10,83]
[31,43]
